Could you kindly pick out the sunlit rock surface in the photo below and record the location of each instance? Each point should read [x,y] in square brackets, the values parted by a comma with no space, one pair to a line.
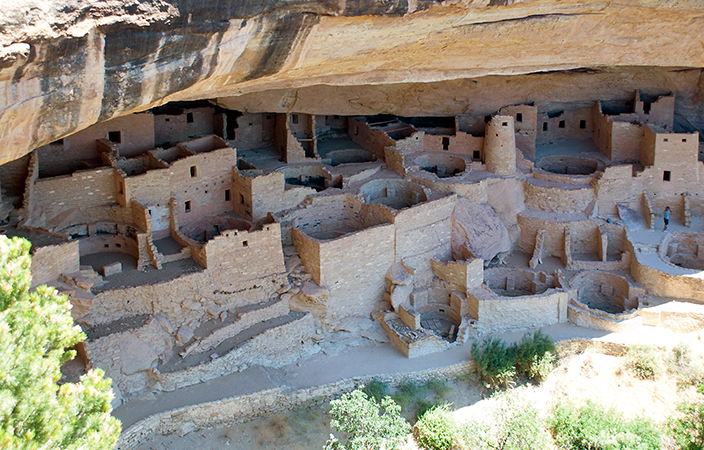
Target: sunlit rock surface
[65,65]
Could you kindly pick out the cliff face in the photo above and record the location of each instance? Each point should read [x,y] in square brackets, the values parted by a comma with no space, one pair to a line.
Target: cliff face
[67,64]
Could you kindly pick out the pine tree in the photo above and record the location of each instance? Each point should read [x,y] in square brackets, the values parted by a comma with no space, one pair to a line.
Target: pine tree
[36,333]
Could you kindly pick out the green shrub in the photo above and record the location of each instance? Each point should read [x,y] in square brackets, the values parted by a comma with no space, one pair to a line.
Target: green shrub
[511,422]
[439,388]
[423,406]
[408,392]
[643,360]
[687,429]
[517,423]
[590,427]
[436,429]
[535,356]
[376,389]
[495,362]
[687,370]
[366,423]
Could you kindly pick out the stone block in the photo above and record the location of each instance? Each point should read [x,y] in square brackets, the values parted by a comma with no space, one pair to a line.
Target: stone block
[111,269]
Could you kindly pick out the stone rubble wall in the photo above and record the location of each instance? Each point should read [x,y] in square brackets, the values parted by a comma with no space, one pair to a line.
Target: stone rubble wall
[247,407]
[275,347]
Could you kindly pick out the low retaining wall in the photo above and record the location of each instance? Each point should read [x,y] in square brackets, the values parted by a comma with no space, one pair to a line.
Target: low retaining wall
[240,409]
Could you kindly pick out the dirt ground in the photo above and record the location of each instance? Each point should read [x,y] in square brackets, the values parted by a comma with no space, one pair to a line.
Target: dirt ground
[586,369]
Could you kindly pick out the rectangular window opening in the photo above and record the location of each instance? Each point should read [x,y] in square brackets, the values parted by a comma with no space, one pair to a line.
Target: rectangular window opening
[664,139]
[245,244]
[504,124]
[582,124]
[118,245]
[187,206]
[545,126]
[476,155]
[189,117]
[666,175]
[561,124]
[115,136]
[519,117]
[194,171]
[684,140]
[241,199]
[294,118]
[446,143]
[227,195]
[106,245]
[121,188]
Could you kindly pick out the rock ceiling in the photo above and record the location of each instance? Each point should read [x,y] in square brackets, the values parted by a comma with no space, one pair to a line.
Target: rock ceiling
[67,64]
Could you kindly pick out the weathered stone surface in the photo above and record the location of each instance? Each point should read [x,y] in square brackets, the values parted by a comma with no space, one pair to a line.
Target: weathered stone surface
[399,274]
[480,229]
[66,64]
[137,356]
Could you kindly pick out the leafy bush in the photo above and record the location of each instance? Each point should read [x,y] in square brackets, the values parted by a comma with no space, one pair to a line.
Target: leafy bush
[643,360]
[687,429]
[495,362]
[376,389]
[436,429]
[423,406]
[367,423]
[590,426]
[684,366]
[511,423]
[535,356]
[497,365]
[517,423]
[439,388]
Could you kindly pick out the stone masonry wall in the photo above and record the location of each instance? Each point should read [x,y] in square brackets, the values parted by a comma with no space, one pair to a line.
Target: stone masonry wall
[82,190]
[50,261]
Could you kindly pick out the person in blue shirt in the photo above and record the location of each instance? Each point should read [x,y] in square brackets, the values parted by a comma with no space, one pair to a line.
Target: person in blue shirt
[666,218]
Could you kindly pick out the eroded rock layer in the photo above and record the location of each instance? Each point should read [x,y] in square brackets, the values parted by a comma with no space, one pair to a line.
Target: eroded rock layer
[65,65]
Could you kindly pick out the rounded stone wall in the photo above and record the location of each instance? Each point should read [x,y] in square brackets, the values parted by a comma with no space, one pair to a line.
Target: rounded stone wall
[604,291]
[683,250]
[315,177]
[394,193]
[442,165]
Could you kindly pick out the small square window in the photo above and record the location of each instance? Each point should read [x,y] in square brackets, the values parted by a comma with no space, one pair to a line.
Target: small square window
[446,143]
[227,195]
[187,206]
[561,124]
[476,155]
[335,117]
[519,117]
[194,172]
[251,124]
[582,124]
[189,117]
[268,117]
[504,124]
[666,175]
[545,126]
[684,140]
[166,120]
[664,140]
[115,136]
[245,244]
[294,118]
[118,245]
[106,245]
